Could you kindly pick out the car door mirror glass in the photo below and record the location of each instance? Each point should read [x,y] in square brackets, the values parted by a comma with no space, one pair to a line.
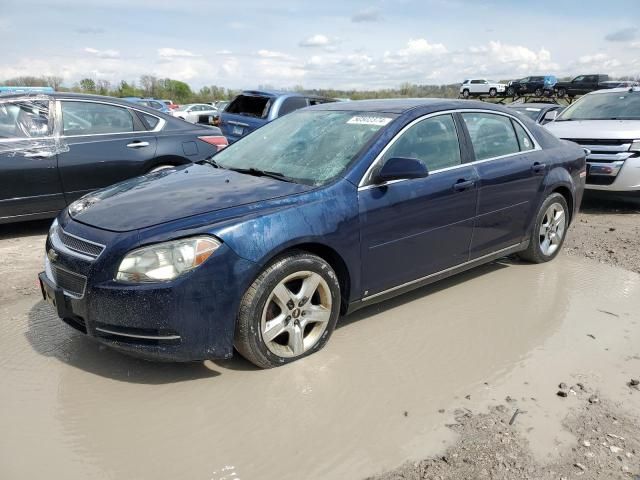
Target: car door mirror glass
[550,116]
[399,168]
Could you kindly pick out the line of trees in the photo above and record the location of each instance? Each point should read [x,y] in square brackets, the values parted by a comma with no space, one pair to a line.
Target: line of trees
[181,92]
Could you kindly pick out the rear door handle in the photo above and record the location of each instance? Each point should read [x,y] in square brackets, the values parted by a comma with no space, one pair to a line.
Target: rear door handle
[463,184]
[138,144]
[538,167]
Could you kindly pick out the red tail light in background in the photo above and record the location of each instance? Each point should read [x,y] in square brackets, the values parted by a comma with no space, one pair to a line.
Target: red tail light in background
[219,141]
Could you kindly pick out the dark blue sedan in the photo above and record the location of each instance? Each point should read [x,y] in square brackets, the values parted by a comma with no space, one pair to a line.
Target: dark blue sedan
[314,215]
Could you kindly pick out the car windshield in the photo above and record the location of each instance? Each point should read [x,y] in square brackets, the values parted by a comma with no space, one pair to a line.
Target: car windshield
[530,112]
[604,106]
[310,147]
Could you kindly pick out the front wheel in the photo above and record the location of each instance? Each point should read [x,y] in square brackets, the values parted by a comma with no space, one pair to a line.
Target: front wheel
[493,92]
[562,92]
[466,93]
[289,311]
[549,230]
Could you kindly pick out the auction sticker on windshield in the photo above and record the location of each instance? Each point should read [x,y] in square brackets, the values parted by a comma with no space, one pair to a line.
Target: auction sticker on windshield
[365,120]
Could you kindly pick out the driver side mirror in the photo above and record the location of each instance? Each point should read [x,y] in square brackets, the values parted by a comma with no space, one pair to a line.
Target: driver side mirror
[549,116]
[398,168]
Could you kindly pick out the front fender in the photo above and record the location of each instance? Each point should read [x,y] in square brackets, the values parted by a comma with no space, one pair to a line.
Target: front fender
[326,217]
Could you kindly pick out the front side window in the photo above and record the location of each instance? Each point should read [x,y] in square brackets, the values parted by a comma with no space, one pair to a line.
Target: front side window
[311,147]
[433,141]
[88,118]
[492,135]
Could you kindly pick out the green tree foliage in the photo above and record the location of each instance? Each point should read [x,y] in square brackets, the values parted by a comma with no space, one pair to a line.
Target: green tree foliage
[88,85]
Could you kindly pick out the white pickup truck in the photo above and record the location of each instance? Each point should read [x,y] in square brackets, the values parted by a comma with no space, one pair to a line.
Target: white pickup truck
[479,86]
[607,123]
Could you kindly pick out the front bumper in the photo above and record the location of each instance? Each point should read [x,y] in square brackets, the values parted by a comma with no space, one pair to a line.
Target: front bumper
[622,176]
[190,318]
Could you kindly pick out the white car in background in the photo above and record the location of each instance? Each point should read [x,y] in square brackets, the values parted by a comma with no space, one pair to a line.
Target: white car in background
[196,112]
[481,86]
[607,123]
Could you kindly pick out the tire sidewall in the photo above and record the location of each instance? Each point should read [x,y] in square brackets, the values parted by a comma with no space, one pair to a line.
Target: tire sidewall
[279,269]
[535,235]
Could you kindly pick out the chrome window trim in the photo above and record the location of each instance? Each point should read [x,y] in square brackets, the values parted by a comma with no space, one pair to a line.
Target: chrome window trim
[161,121]
[364,181]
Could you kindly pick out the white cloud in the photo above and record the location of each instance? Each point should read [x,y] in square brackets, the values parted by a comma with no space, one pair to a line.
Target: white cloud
[420,46]
[224,52]
[273,54]
[317,40]
[109,53]
[169,53]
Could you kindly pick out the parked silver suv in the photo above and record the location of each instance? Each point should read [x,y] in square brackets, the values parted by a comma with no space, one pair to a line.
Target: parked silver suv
[606,122]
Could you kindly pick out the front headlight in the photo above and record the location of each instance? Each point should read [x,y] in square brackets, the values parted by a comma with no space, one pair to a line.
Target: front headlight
[166,261]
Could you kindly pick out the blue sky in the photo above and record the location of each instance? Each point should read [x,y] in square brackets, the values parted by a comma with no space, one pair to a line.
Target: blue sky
[341,44]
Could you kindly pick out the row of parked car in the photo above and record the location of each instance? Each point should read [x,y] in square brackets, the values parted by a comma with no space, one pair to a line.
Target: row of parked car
[541,85]
[76,143]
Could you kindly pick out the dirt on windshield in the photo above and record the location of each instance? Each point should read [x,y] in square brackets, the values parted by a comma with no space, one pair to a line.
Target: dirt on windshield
[509,371]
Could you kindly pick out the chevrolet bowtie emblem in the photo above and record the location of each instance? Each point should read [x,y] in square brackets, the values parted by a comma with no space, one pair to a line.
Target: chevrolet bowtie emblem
[52,255]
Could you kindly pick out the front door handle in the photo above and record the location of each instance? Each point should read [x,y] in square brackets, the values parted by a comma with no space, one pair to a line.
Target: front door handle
[138,144]
[538,167]
[463,184]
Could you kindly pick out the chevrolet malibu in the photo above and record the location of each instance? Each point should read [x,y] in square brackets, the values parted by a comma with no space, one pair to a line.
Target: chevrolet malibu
[326,210]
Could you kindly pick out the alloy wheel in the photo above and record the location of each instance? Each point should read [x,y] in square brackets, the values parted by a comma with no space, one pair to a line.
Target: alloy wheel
[296,314]
[552,229]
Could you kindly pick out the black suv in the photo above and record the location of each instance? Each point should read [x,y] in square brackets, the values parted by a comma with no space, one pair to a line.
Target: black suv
[541,85]
[582,84]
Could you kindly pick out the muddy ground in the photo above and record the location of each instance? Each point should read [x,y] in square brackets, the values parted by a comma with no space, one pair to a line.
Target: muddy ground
[434,377]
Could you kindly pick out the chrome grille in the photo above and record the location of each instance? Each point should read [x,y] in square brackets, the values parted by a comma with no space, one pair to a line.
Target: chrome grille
[605,159]
[70,282]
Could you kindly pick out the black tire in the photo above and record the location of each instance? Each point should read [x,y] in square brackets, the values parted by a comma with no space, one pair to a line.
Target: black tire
[493,92]
[249,340]
[511,91]
[562,92]
[539,92]
[466,93]
[534,252]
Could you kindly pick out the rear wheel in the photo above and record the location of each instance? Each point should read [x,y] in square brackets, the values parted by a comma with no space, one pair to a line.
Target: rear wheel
[493,92]
[511,91]
[539,92]
[466,93]
[549,230]
[562,92]
[289,311]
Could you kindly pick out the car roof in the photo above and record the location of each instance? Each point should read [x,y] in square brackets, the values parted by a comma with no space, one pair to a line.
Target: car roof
[533,105]
[616,90]
[402,105]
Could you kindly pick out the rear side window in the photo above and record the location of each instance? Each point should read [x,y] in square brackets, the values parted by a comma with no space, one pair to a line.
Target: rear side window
[491,135]
[88,118]
[433,141]
[251,106]
[150,120]
[291,104]
[24,119]
[524,140]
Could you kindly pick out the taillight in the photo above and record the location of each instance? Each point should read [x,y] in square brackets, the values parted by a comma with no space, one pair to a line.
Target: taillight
[219,141]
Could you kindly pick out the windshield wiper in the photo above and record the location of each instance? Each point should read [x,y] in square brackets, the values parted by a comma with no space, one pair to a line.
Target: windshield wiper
[212,162]
[256,172]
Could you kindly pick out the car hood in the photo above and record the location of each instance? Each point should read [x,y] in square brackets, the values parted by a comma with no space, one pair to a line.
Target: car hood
[596,129]
[169,195]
